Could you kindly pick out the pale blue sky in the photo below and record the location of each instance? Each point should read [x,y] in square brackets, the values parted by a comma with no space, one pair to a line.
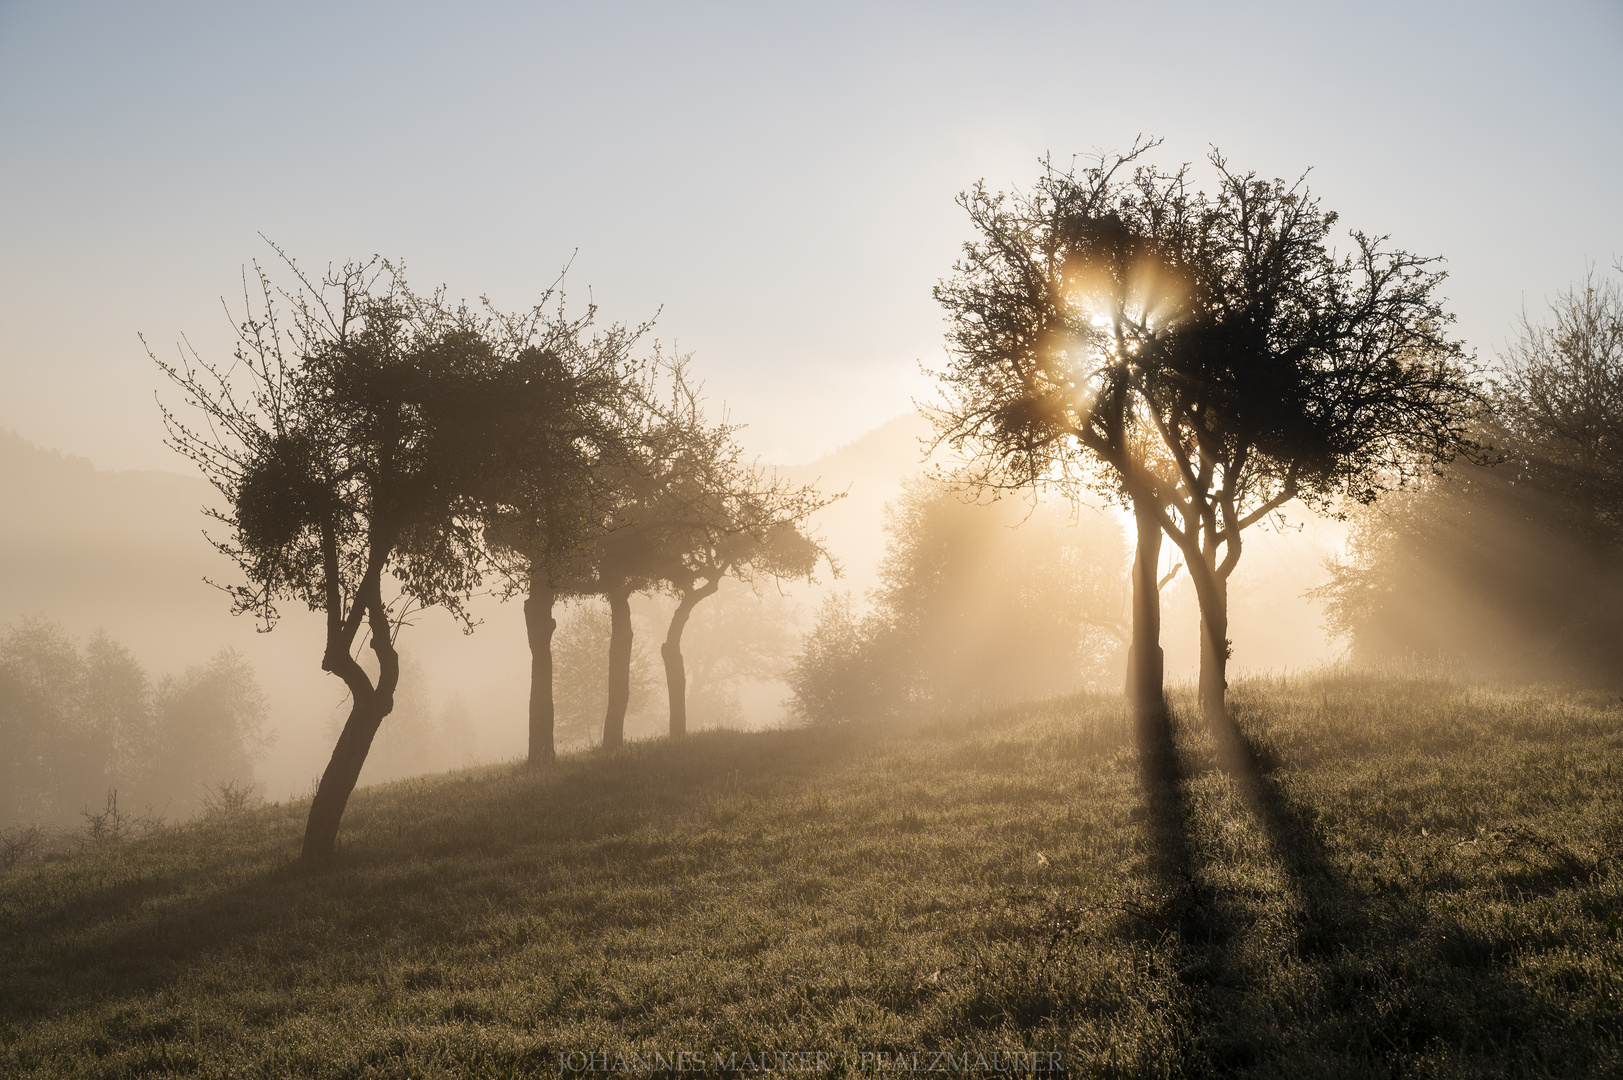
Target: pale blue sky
[780,178]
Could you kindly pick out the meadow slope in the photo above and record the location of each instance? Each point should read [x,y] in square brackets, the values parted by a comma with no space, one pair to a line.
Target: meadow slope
[1418,878]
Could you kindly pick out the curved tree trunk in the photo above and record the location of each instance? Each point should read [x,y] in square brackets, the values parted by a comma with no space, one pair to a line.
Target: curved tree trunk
[614,721]
[1145,664]
[368,706]
[539,626]
[676,676]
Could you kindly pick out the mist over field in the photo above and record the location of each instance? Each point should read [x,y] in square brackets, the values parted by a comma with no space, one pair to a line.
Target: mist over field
[126,553]
[817,541]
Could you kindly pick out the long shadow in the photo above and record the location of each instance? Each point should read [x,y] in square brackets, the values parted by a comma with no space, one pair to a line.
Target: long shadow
[136,935]
[1329,899]
[1184,903]
[1391,985]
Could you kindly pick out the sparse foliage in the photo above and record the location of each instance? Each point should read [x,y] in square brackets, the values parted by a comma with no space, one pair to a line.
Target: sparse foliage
[1213,350]
[351,437]
[708,515]
[1513,570]
[1286,370]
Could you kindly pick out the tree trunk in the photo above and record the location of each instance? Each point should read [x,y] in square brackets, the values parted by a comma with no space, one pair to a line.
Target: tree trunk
[338,781]
[368,706]
[614,721]
[1145,682]
[539,626]
[1214,652]
[676,676]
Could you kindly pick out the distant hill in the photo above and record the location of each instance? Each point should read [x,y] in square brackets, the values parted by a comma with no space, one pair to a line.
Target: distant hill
[125,552]
[870,471]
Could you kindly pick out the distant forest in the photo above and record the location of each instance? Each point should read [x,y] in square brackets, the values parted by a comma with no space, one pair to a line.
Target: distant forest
[81,725]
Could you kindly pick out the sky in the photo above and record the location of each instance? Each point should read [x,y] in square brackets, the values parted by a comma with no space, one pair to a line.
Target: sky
[776,182]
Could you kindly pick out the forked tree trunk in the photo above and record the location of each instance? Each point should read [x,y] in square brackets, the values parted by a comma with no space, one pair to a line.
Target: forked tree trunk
[676,676]
[539,626]
[614,721]
[1145,663]
[369,704]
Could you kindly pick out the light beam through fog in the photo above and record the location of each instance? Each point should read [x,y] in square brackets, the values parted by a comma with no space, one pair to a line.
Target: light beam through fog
[791,617]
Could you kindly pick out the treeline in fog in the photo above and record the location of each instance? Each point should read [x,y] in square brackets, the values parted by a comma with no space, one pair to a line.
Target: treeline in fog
[79,723]
[1510,563]
[380,451]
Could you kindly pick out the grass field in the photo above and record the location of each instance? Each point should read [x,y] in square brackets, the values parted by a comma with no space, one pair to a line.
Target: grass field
[1418,879]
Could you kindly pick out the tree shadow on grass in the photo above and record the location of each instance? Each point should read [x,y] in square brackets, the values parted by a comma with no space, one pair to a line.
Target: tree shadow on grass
[1168,813]
[1363,981]
[506,837]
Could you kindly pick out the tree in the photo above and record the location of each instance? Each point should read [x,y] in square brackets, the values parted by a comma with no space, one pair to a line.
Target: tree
[575,413]
[1276,368]
[210,727]
[684,511]
[77,725]
[840,674]
[1213,351]
[1559,403]
[347,438]
[1038,392]
[1490,571]
[712,516]
[1512,570]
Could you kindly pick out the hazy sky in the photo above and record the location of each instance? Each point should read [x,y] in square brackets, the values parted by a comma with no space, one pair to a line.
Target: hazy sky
[779,178]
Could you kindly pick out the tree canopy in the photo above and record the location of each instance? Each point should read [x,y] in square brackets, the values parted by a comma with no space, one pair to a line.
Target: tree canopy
[354,437]
[1214,351]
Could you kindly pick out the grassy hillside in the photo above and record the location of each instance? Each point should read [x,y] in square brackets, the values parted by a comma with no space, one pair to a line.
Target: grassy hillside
[1421,880]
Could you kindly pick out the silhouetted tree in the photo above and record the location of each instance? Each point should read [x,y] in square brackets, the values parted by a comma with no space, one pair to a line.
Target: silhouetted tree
[711,515]
[574,410]
[1212,350]
[683,511]
[348,437]
[1039,391]
[1273,368]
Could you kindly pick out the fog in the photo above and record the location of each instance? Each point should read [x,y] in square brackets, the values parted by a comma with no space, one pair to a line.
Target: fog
[127,553]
